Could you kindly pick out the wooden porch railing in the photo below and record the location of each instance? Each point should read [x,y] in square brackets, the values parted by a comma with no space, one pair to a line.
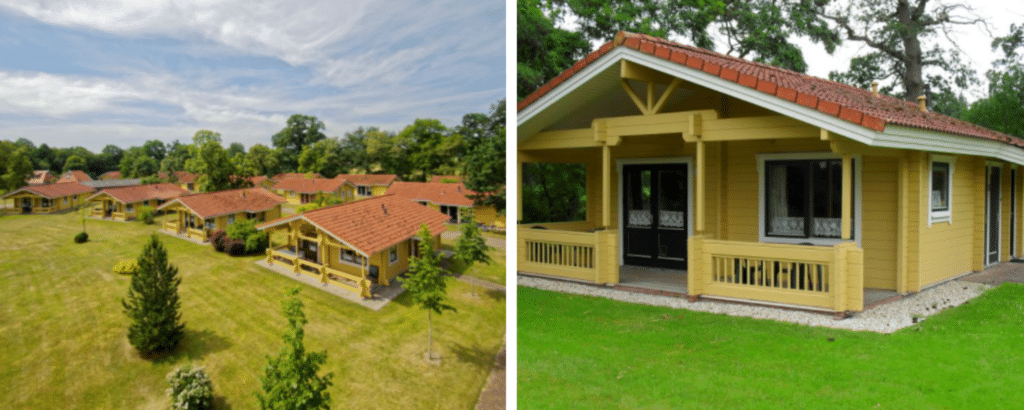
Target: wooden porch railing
[325,274]
[199,234]
[829,277]
[171,226]
[120,216]
[586,256]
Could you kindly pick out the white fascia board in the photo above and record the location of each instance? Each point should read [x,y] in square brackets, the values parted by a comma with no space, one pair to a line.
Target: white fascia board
[897,136]
[557,93]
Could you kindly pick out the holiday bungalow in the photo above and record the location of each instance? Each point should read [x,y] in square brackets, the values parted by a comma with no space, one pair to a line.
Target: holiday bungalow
[354,245]
[110,175]
[49,198]
[74,176]
[368,185]
[305,190]
[746,181]
[198,215]
[452,199]
[123,203]
[40,177]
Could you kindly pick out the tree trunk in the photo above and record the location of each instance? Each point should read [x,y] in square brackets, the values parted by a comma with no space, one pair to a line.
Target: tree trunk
[430,338]
[912,59]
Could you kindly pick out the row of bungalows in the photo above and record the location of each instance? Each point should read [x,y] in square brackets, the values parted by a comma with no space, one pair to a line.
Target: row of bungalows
[123,203]
[354,245]
[755,183]
[299,191]
[198,215]
[48,198]
[452,199]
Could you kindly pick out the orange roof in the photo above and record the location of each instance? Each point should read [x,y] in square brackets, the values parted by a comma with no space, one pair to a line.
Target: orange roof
[41,177]
[111,175]
[58,190]
[368,179]
[75,176]
[373,224]
[256,180]
[436,192]
[212,204]
[310,185]
[137,193]
[446,178]
[850,104]
[288,175]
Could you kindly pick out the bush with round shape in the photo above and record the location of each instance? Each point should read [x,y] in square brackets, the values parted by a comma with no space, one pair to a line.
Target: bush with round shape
[257,243]
[234,247]
[219,240]
[191,388]
[126,267]
[147,215]
[82,237]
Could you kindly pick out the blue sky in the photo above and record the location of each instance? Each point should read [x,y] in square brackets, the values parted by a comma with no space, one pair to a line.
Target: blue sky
[78,73]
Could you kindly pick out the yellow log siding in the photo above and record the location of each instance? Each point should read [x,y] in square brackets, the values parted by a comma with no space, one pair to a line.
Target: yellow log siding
[487,215]
[949,249]
[56,205]
[378,190]
[879,216]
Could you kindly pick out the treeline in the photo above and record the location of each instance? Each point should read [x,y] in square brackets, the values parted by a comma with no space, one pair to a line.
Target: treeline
[474,149]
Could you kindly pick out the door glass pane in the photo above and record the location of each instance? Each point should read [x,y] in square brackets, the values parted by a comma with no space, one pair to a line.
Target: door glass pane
[787,191]
[672,199]
[639,199]
[827,198]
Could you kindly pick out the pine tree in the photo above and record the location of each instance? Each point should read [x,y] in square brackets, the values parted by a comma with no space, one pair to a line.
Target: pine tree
[426,282]
[290,380]
[152,302]
[471,247]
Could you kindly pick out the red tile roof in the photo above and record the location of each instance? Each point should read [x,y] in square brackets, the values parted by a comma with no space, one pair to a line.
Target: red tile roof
[369,179]
[75,176]
[446,178]
[288,175]
[257,180]
[436,192]
[137,193]
[111,175]
[41,177]
[310,185]
[58,190]
[212,204]
[373,224]
[851,104]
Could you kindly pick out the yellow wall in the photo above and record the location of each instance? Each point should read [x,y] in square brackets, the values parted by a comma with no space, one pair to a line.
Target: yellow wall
[56,205]
[378,190]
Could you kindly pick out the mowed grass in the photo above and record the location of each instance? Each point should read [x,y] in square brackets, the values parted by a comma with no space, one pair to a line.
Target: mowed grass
[63,330]
[590,353]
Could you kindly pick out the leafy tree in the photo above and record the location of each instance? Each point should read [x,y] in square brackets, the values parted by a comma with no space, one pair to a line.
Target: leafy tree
[152,302]
[19,166]
[390,150]
[110,157]
[236,148]
[554,192]
[211,162]
[1002,110]
[300,132]
[155,149]
[43,157]
[431,148]
[543,50]
[483,171]
[354,150]
[427,283]
[177,155]
[74,162]
[136,163]
[471,247]
[323,157]
[261,160]
[902,36]
[290,380]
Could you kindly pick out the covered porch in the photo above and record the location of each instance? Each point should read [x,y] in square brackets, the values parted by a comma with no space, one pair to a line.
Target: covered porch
[183,222]
[318,256]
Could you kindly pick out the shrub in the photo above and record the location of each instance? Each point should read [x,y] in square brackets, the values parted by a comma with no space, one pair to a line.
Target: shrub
[234,247]
[146,215]
[257,243]
[82,237]
[190,388]
[218,239]
[239,230]
[127,267]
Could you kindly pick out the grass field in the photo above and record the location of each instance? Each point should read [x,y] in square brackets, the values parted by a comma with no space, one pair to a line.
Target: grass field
[591,353]
[63,331]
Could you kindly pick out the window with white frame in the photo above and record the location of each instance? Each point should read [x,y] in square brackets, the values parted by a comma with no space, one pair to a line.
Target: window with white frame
[941,193]
[452,212]
[350,256]
[803,198]
[45,202]
[211,225]
[393,254]
[364,190]
[129,208]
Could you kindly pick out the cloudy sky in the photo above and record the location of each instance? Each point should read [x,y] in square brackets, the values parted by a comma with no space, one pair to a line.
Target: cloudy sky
[92,73]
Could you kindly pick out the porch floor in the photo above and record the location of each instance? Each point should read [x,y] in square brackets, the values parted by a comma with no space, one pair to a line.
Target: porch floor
[656,279]
[874,297]
[382,295]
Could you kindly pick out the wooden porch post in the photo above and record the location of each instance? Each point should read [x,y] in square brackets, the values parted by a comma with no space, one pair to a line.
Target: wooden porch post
[519,188]
[606,186]
[847,195]
[699,194]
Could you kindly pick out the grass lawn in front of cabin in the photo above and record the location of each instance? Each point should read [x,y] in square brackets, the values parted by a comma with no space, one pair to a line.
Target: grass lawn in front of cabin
[63,329]
[493,272]
[594,353]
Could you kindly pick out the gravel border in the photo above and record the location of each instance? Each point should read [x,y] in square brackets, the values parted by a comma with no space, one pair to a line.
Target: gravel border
[885,318]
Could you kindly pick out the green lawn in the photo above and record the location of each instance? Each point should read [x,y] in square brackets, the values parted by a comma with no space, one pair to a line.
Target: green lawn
[584,352]
[62,329]
[494,272]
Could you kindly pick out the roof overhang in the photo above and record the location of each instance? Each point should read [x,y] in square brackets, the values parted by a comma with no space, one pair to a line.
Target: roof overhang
[531,119]
[290,219]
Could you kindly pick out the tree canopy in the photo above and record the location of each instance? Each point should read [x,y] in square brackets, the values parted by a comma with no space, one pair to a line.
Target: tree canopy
[300,132]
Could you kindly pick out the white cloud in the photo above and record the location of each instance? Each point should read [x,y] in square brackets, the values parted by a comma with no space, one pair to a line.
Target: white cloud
[60,96]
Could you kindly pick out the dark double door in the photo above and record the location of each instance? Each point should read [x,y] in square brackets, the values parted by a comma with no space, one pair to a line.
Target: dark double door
[655,215]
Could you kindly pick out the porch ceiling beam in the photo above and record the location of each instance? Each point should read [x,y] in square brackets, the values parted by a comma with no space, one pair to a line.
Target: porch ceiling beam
[632,71]
[757,128]
[841,145]
[576,138]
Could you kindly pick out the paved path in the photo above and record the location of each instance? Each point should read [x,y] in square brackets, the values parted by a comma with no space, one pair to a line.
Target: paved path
[1003,272]
[492,242]
[492,396]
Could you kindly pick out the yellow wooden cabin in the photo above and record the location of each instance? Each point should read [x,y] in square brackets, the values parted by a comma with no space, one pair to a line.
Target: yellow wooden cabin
[451,199]
[124,203]
[48,198]
[356,245]
[198,215]
[737,180]
[298,191]
[369,185]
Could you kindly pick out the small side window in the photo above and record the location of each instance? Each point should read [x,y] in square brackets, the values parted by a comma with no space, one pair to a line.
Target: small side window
[940,194]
